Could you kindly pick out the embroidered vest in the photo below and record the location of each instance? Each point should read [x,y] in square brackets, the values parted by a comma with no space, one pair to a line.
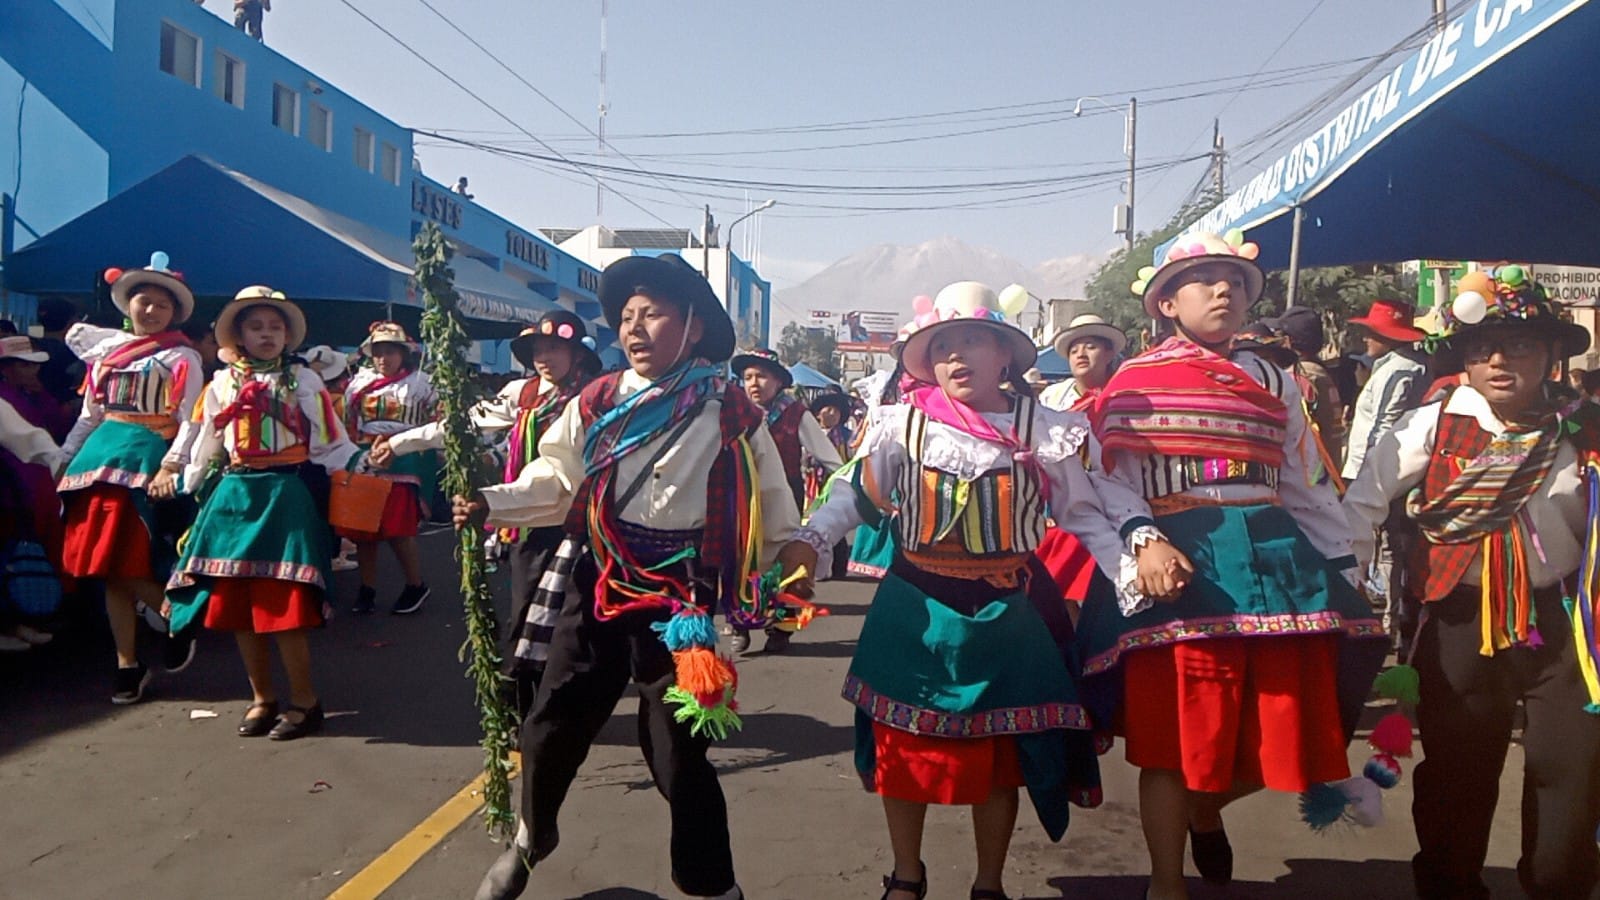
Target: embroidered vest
[786,434]
[999,513]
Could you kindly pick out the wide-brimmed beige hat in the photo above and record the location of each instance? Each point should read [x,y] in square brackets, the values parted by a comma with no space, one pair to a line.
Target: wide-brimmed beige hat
[327,362]
[1189,251]
[965,303]
[20,347]
[124,284]
[259,295]
[1089,325]
[387,333]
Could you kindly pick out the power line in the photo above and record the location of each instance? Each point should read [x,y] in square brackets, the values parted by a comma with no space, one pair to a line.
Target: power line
[491,107]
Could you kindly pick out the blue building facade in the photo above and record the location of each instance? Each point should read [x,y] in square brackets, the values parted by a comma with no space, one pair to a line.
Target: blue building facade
[98,97]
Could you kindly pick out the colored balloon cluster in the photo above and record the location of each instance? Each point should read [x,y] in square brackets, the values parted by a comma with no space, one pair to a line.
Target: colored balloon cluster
[1508,293]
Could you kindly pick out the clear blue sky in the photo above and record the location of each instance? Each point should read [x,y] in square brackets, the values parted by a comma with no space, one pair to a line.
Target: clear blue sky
[678,66]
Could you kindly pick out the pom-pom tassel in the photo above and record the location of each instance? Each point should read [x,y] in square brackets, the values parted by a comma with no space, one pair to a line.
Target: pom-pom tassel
[1392,735]
[1322,806]
[688,628]
[703,673]
[1399,683]
[716,721]
[1382,770]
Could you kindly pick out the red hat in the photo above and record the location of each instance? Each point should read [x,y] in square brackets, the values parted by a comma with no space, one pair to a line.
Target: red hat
[1391,319]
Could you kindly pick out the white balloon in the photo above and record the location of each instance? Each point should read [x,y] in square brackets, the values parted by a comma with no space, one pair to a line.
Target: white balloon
[1469,308]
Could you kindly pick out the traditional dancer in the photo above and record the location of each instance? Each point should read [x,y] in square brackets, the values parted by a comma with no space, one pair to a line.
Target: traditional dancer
[560,354]
[1234,621]
[960,679]
[386,399]
[1092,347]
[257,558]
[118,488]
[1502,477]
[665,469]
[802,446]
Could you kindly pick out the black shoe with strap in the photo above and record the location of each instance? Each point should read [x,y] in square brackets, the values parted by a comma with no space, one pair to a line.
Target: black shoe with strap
[1213,855]
[256,726]
[288,730]
[918,889]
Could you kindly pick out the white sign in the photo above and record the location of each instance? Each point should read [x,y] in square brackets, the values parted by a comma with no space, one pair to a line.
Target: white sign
[877,322]
[1570,285]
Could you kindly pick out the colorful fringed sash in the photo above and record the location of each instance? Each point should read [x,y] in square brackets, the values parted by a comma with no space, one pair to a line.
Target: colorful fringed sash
[136,391]
[358,409]
[535,413]
[1182,400]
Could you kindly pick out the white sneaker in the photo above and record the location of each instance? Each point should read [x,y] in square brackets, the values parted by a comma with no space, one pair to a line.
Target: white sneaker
[9,644]
[33,635]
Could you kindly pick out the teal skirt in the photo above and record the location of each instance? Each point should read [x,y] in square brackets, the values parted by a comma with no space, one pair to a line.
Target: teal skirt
[253,525]
[872,549]
[925,668]
[118,453]
[1256,575]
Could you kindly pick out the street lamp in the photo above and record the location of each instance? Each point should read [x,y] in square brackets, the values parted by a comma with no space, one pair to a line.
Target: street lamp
[727,290]
[1122,217]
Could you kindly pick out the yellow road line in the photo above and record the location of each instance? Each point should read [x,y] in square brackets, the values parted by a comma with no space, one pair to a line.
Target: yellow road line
[391,864]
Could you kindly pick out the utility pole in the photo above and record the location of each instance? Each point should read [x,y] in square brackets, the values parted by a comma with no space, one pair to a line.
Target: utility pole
[1218,156]
[1441,277]
[705,245]
[599,185]
[1133,133]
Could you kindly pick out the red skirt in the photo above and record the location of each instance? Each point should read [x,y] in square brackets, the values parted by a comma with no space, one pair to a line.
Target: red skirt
[401,516]
[1237,711]
[1068,561]
[955,771]
[262,605]
[105,536]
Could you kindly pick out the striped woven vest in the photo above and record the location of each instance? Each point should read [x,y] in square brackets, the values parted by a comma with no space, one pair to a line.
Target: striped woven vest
[786,435]
[1001,512]
[1438,568]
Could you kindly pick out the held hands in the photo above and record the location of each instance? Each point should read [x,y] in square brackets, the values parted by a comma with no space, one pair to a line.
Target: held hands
[794,555]
[1163,571]
[465,511]
[164,486]
[381,454]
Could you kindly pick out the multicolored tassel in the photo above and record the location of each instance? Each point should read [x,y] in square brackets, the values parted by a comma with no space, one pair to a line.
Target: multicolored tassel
[1582,610]
[706,681]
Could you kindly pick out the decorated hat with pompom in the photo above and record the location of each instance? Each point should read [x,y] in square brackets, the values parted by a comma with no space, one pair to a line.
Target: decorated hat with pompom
[762,358]
[125,283]
[558,325]
[1190,250]
[227,327]
[1505,297]
[968,302]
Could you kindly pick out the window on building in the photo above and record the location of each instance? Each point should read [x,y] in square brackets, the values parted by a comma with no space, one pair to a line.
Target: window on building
[180,54]
[391,163]
[363,149]
[229,79]
[286,108]
[319,125]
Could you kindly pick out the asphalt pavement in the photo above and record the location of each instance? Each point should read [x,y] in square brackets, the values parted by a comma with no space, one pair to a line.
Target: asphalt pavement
[162,800]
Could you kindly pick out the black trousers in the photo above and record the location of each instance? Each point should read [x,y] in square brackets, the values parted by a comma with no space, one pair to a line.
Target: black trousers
[590,665]
[1465,718]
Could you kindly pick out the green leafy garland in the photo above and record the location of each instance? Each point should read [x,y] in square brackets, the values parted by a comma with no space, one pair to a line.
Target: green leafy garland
[446,340]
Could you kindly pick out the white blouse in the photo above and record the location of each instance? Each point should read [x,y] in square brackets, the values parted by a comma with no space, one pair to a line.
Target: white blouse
[328,445]
[167,382]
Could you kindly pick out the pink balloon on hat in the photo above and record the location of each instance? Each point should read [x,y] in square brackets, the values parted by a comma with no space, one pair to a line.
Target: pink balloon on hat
[921,303]
[565,331]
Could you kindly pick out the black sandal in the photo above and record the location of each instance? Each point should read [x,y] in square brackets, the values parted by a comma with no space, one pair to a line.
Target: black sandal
[287,730]
[1213,855]
[919,888]
[256,726]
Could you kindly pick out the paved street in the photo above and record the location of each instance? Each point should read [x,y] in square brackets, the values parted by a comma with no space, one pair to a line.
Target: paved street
[143,801]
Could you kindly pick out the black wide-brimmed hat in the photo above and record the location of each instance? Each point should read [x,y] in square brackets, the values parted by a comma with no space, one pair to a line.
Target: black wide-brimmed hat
[558,325]
[836,400]
[1506,299]
[669,277]
[763,358]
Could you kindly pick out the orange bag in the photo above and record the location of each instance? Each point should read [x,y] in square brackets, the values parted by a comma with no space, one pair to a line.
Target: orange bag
[356,501]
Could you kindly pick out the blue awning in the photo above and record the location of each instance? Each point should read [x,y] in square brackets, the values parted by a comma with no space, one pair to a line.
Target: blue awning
[1051,365]
[807,377]
[1477,147]
[225,230]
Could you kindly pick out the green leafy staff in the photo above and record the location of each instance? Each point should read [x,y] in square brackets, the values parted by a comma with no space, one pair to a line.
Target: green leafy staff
[446,340]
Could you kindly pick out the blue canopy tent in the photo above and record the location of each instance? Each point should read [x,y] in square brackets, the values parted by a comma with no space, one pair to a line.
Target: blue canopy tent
[809,378]
[1052,366]
[1476,147]
[225,230]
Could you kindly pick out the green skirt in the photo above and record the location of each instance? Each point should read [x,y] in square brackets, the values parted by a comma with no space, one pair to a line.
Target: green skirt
[872,549]
[253,525]
[925,668]
[118,453]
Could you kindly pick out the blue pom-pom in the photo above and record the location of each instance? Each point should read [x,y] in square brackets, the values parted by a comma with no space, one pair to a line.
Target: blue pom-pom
[160,260]
[588,342]
[686,630]
[1322,806]
[1384,773]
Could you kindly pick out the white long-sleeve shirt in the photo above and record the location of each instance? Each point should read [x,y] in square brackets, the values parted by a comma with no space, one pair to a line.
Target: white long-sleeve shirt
[674,495]
[492,414]
[152,382]
[1396,385]
[25,440]
[815,441]
[1399,461]
[1074,502]
[328,445]
[391,409]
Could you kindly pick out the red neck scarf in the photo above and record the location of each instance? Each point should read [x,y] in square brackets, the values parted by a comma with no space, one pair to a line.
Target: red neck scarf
[126,355]
[1181,399]
[352,410]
